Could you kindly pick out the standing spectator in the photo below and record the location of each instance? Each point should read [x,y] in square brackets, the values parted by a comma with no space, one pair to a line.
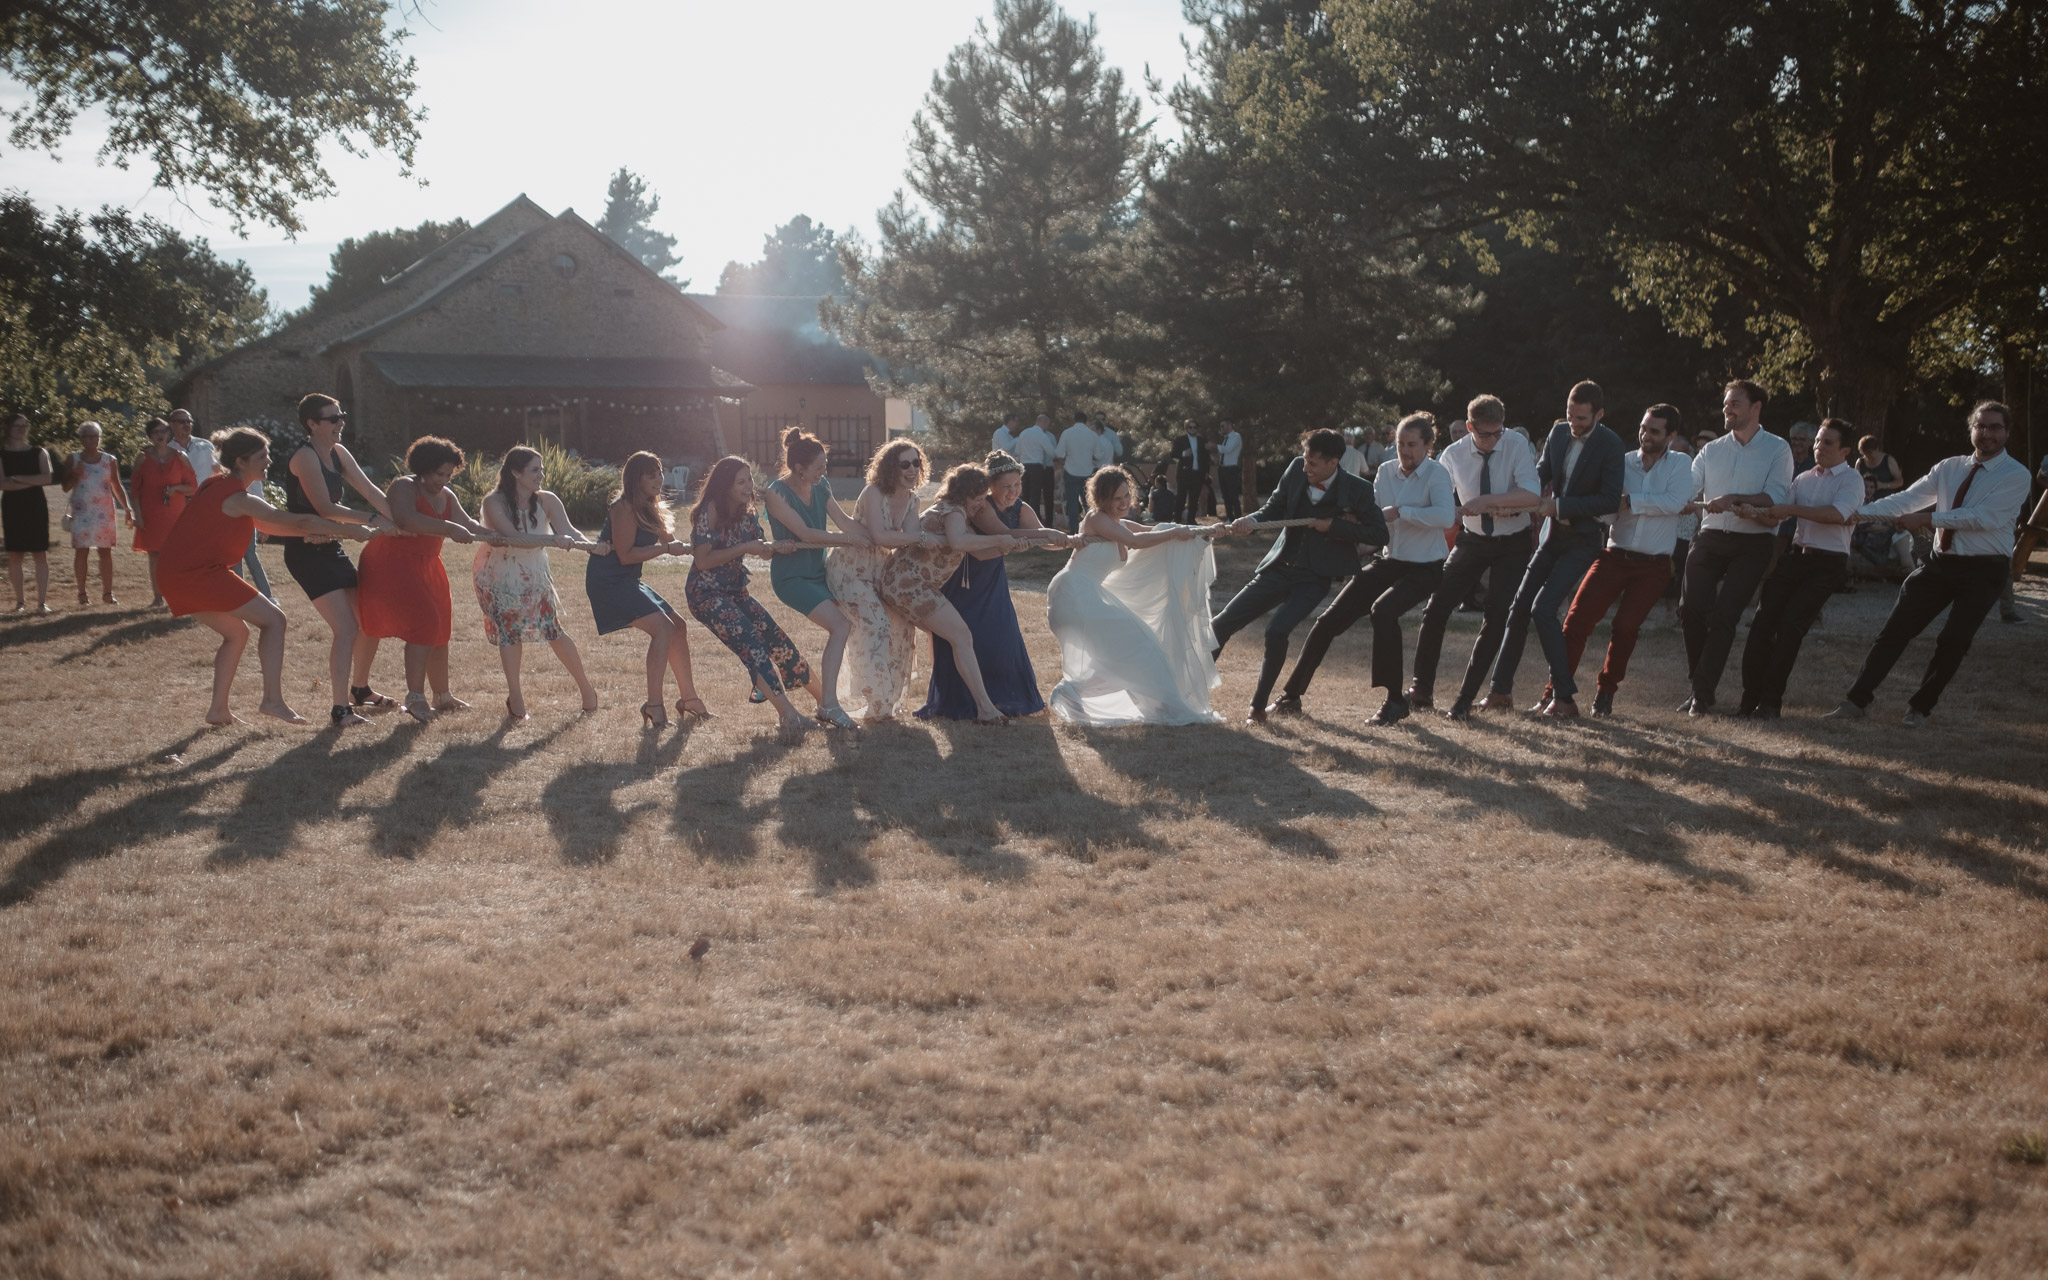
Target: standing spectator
[163,482]
[1354,459]
[1035,449]
[93,479]
[1080,456]
[1190,459]
[25,511]
[1110,438]
[1230,470]
[198,450]
[1005,438]
[1880,471]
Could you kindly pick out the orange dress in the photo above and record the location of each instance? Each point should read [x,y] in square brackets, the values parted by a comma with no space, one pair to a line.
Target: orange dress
[194,573]
[402,587]
[159,510]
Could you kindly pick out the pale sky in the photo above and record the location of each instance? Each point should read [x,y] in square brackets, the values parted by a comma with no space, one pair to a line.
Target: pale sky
[740,116]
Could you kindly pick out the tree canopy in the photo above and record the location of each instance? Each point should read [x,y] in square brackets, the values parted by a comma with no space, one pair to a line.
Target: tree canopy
[1027,152]
[230,97]
[359,265]
[798,259]
[629,209]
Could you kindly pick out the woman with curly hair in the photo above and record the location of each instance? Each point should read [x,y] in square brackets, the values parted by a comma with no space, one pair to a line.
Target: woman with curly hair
[881,646]
[637,530]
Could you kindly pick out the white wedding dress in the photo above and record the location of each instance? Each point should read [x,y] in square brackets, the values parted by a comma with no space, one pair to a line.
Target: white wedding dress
[1135,637]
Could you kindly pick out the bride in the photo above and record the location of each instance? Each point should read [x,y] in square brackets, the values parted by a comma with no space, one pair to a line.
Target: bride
[1131,611]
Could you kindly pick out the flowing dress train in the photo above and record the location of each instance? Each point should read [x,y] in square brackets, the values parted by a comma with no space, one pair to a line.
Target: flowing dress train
[1135,637]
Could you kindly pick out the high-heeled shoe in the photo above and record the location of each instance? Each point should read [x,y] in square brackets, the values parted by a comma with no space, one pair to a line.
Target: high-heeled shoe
[685,710]
[653,715]
[836,718]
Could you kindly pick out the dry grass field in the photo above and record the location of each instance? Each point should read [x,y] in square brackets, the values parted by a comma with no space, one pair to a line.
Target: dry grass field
[1645,998]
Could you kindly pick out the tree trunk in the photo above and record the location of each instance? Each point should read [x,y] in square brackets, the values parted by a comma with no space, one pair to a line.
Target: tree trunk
[1859,383]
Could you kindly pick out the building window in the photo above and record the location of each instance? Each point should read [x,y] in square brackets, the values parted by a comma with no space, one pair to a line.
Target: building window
[847,435]
[565,264]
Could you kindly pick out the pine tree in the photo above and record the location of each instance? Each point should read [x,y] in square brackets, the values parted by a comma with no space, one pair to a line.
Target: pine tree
[1027,152]
[629,208]
[799,259]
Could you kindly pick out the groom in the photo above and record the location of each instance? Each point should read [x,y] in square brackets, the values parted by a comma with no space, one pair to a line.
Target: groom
[1295,575]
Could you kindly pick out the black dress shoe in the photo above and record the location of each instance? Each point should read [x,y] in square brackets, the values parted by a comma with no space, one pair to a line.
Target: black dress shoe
[1460,711]
[1286,704]
[1257,715]
[1684,708]
[1743,711]
[1393,713]
[1764,713]
[1420,701]
[1699,710]
[1603,704]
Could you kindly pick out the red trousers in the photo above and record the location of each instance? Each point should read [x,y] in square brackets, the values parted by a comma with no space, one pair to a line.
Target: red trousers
[1638,584]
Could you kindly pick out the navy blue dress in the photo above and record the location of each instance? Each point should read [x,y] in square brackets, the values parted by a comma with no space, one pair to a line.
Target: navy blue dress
[980,590]
[618,598]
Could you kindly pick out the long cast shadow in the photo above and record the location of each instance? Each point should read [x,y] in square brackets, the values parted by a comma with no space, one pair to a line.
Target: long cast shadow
[580,805]
[305,785]
[446,791]
[150,628]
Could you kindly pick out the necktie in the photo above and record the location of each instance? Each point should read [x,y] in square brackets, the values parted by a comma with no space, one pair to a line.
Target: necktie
[1485,488]
[1946,538]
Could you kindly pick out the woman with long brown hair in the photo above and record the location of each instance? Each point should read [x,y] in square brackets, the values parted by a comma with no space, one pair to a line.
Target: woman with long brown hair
[513,586]
[723,531]
[637,530]
[881,648]
[913,582]
[160,483]
[801,508]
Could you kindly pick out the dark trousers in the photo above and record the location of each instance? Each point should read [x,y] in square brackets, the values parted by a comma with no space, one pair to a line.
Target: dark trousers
[1721,574]
[1386,589]
[1188,484]
[1038,491]
[1637,583]
[1967,586]
[1077,499]
[1231,481]
[1503,557]
[1290,594]
[1549,582]
[1792,599]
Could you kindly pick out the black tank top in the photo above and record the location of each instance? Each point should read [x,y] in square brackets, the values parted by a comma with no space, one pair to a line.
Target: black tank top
[295,494]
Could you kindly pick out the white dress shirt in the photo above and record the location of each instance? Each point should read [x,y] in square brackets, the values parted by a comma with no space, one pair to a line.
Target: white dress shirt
[1840,488]
[1727,465]
[1353,461]
[1513,464]
[1426,509]
[1984,523]
[1035,446]
[1079,448]
[1650,524]
[1116,445]
[1004,440]
[199,452]
[1230,450]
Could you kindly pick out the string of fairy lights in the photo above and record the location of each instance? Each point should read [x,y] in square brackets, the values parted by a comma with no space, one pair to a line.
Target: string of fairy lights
[695,404]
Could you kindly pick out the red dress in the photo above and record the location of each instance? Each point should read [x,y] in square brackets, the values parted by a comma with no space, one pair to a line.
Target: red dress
[194,573]
[159,510]
[402,587]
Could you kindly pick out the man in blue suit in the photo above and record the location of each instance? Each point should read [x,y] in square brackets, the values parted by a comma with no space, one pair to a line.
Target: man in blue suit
[1581,471]
[1296,574]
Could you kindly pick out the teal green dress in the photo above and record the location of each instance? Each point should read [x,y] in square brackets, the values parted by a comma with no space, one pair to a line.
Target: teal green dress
[799,578]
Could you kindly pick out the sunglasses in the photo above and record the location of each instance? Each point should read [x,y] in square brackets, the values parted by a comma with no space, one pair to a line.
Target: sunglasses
[332,417]
[911,464]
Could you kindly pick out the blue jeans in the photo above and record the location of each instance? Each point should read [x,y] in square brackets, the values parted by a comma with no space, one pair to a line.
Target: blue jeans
[1548,585]
[1077,493]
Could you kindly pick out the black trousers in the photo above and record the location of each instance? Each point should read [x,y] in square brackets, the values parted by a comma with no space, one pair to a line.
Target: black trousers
[1791,603]
[1967,586]
[1721,574]
[1189,485]
[1038,491]
[1548,585]
[1290,594]
[1504,556]
[1386,589]
[1231,481]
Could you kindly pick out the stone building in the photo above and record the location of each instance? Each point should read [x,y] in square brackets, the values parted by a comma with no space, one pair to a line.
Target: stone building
[801,376]
[528,326]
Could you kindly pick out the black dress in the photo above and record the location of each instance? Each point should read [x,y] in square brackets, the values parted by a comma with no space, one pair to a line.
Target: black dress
[318,567]
[24,513]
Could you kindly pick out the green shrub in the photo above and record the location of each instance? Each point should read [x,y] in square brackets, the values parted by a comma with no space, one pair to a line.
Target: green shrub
[585,490]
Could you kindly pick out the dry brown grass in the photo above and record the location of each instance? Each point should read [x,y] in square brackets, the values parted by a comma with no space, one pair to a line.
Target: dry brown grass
[1646,998]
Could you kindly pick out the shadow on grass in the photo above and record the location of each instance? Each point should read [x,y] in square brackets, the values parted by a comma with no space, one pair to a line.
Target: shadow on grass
[24,632]
[142,629]
[446,791]
[580,801]
[306,785]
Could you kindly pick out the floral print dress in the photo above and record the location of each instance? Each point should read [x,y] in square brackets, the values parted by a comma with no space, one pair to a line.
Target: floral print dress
[516,593]
[718,598]
[92,504]
[881,649]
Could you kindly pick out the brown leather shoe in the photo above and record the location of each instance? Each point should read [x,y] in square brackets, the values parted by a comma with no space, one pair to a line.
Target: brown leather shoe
[1257,715]
[1561,709]
[1497,702]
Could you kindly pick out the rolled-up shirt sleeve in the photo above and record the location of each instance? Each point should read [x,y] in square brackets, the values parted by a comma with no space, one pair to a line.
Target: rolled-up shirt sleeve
[1666,490]
[1994,509]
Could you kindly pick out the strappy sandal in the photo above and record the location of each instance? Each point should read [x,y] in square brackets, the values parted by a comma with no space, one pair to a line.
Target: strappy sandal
[363,695]
[686,711]
[835,718]
[338,715]
[653,715]
[792,732]
[416,706]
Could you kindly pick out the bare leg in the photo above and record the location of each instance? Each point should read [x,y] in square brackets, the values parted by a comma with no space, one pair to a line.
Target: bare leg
[234,637]
[14,559]
[359,661]
[437,676]
[948,625]
[107,576]
[565,649]
[80,558]
[793,722]
[679,666]
[508,658]
[337,610]
[42,579]
[269,622]
[825,685]
[156,597]
[663,636]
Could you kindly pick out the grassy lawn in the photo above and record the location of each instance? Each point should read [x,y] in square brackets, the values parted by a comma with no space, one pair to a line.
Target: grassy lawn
[1649,997]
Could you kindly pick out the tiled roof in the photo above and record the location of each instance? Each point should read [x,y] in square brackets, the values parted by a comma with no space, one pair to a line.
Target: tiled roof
[553,373]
